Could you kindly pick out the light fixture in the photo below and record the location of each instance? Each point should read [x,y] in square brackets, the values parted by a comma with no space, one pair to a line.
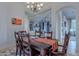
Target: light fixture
[34,6]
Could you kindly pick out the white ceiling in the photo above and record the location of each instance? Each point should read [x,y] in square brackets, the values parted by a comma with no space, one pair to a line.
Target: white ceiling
[68,12]
[45,7]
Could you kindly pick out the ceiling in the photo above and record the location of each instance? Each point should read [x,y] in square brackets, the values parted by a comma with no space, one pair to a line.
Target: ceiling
[68,12]
[45,7]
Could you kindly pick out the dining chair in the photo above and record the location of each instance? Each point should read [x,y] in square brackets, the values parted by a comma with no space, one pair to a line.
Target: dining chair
[38,34]
[18,43]
[26,48]
[22,33]
[48,35]
[64,47]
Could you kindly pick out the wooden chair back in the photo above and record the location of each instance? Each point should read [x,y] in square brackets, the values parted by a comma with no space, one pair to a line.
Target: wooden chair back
[18,43]
[38,33]
[26,48]
[22,43]
[48,35]
[65,46]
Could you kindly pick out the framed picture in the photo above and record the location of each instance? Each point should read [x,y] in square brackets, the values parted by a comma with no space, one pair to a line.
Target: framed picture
[13,20]
[16,21]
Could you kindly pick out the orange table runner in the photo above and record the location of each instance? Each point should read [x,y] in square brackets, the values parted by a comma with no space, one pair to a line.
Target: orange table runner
[53,43]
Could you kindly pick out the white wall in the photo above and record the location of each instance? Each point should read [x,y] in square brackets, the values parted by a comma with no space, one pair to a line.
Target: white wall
[7,11]
[56,7]
[26,23]
[14,10]
[3,27]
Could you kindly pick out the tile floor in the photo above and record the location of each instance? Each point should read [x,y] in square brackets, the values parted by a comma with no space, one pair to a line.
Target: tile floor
[72,47]
[8,52]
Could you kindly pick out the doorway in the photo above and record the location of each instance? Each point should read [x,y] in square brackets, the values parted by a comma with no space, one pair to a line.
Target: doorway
[67,24]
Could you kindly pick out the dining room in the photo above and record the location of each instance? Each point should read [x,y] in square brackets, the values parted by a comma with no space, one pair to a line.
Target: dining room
[38,29]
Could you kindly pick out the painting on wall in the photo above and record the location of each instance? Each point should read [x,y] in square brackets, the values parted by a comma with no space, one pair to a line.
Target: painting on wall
[16,21]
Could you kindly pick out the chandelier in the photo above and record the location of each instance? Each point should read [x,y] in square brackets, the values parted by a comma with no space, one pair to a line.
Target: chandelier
[34,6]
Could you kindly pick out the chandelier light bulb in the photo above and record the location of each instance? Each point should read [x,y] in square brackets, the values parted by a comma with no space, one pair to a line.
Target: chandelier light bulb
[39,8]
[38,5]
[28,6]
[34,6]
[31,6]
[41,4]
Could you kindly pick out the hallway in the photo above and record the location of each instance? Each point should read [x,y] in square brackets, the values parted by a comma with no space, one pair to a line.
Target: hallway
[72,47]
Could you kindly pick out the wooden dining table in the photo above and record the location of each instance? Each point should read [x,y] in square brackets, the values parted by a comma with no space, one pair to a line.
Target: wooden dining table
[44,43]
[41,47]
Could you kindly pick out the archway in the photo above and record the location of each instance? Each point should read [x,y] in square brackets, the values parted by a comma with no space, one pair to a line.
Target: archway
[67,23]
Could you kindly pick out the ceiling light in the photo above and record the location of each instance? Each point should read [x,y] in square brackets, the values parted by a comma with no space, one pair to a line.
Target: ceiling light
[28,6]
[41,4]
[34,6]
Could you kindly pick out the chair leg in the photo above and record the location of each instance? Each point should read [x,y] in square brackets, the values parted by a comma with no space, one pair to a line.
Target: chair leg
[20,52]
[16,51]
[23,54]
